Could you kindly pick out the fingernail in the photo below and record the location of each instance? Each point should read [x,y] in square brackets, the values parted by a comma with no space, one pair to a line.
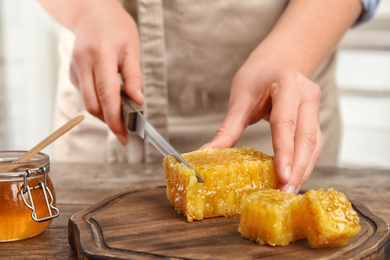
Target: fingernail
[287,173]
[203,146]
[122,139]
[291,189]
[141,94]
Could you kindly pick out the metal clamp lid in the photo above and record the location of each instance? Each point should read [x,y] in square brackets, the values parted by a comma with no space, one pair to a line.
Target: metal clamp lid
[46,193]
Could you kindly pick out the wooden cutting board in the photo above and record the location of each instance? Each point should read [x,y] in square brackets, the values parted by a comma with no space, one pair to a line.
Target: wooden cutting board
[142,224]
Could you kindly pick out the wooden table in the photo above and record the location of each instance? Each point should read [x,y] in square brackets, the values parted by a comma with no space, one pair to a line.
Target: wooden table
[78,186]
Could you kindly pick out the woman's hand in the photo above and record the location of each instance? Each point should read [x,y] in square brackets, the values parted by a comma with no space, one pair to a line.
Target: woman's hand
[106,44]
[273,84]
[290,102]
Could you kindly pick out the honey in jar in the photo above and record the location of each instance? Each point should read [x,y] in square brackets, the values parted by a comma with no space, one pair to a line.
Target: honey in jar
[27,197]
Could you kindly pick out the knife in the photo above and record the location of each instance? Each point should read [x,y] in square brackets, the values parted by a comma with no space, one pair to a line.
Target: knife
[136,122]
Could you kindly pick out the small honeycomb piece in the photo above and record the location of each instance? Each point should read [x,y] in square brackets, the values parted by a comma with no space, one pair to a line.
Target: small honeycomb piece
[273,217]
[327,218]
[229,174]
[267,217]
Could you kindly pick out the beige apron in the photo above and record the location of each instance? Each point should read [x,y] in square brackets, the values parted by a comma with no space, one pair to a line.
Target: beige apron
[190,53]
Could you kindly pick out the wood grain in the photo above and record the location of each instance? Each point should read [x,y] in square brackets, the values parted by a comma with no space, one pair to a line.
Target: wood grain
[51,244]
[142,224]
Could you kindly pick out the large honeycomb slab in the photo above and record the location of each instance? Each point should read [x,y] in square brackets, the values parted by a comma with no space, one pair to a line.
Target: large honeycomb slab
[229,174]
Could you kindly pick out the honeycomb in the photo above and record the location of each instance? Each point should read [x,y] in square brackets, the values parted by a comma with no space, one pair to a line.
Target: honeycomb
[276,218]
[267,217]
[229,174]
[327,218]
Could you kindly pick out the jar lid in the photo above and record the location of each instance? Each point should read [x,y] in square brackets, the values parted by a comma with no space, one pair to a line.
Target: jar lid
[10,169]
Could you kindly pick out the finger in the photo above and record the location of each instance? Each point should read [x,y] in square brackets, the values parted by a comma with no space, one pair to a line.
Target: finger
[230,131]
[82,75]
[130,69]
[226,136]
[107,86]
[283,120]
[312,162]
[73,75]
[306,137]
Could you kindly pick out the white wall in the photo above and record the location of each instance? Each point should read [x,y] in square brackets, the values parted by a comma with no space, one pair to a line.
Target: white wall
[364,82]
[29,55]
[364,78]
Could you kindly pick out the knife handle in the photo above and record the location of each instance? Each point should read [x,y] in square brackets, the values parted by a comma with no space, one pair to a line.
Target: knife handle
[129,112]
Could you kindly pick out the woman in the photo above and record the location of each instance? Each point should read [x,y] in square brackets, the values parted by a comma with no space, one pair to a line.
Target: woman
[184,59]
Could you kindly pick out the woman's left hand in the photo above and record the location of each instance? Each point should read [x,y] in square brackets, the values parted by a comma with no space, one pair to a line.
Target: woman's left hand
[290,102]
[273,85]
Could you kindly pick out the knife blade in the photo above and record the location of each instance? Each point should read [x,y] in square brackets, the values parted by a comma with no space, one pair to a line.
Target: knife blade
[136,122]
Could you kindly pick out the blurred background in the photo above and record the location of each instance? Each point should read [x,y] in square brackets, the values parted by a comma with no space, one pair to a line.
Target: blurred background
[28,79]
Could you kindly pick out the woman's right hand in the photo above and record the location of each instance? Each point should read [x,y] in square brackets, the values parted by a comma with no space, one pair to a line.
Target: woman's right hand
[106,44]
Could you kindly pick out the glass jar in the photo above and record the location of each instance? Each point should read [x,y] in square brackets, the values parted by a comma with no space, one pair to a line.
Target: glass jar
[27,197]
